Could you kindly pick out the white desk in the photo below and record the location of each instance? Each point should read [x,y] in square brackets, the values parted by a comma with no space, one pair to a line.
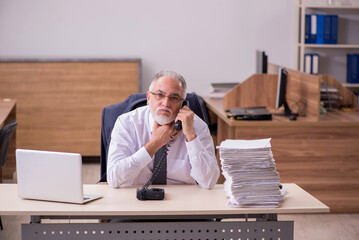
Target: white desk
[181,202]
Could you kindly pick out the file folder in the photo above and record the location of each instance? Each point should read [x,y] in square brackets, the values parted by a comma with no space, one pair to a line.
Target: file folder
[308,37]
[320,28]
[315,63]
[311,63]
[307,63]
[334,29]
[352,68]
[349,70]
[327,29]
[313,29]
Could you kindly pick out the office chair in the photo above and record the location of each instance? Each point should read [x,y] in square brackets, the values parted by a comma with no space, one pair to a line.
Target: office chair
[5,137]
[111,113]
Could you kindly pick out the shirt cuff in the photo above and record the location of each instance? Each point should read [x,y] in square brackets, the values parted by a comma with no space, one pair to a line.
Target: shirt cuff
[142,157]
[194,147]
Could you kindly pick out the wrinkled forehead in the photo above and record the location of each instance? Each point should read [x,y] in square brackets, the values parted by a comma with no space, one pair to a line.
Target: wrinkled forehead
[168,86]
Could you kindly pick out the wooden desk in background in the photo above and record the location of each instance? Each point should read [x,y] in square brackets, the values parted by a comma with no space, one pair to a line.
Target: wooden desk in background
[8,113]
[321,156]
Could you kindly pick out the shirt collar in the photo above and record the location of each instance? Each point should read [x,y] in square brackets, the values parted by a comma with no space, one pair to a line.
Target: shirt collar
[151,120]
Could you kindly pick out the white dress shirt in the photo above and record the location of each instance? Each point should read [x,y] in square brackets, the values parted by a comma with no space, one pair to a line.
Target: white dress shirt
[187,162]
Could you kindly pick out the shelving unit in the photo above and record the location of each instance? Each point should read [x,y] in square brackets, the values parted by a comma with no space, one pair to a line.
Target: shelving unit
[332,56]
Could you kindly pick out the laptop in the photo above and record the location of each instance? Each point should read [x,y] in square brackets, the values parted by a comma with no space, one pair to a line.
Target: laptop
[251,113]
[51,176]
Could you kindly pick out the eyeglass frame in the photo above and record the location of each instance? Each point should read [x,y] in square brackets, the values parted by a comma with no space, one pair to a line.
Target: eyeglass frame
[158,98]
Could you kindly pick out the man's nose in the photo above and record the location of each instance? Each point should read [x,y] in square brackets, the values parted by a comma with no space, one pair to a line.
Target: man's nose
[166,101]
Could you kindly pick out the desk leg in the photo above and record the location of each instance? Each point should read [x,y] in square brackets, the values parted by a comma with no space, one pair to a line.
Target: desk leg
[35,219]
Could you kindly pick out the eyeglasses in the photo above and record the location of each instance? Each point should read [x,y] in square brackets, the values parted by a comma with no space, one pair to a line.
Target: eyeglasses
[172,99]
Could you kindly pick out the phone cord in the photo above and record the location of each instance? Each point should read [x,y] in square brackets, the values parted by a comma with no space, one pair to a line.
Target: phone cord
[156,170]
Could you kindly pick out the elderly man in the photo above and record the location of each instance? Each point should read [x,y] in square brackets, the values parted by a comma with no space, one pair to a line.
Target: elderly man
[139,134]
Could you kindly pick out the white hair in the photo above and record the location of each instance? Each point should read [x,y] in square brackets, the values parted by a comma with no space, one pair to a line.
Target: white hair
[173,75]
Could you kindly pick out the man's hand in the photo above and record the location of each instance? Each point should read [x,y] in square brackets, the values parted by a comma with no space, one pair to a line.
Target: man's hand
[161,135]
[186,116]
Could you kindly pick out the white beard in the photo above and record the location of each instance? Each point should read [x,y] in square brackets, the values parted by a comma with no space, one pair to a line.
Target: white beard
[162,119]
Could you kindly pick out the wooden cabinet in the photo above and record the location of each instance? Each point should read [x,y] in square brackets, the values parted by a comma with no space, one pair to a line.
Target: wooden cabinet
[59,103]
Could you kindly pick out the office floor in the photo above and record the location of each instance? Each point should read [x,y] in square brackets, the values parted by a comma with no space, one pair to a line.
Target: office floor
[306,226]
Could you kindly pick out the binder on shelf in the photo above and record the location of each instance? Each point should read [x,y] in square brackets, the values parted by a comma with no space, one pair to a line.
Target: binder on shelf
[311,63]
[333,29]
[320,28]
[324,29]
[307,63]
[349,70]
[313,28]
[327,29]
[352,68]
[315,63]
[308,37]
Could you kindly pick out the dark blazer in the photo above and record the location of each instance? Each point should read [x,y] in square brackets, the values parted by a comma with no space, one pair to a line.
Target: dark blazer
[111,113]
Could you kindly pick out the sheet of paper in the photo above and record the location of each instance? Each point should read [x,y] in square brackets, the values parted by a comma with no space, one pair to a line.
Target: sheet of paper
[246,144]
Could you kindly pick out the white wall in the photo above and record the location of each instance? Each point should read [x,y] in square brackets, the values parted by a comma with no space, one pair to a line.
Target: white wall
[204,40]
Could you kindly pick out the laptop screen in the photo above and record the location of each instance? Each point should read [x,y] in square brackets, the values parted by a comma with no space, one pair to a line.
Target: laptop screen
[53,176]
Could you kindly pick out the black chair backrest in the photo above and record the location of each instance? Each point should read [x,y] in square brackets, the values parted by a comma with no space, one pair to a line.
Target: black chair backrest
[5,137]
[111,113]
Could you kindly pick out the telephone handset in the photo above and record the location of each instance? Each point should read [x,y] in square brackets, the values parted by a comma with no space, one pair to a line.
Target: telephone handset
[178,124]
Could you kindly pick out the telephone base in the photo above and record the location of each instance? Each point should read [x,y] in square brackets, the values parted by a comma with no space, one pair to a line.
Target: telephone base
[150,194]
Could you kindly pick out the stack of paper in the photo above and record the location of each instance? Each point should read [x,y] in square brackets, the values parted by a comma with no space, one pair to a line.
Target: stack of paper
[251,176]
